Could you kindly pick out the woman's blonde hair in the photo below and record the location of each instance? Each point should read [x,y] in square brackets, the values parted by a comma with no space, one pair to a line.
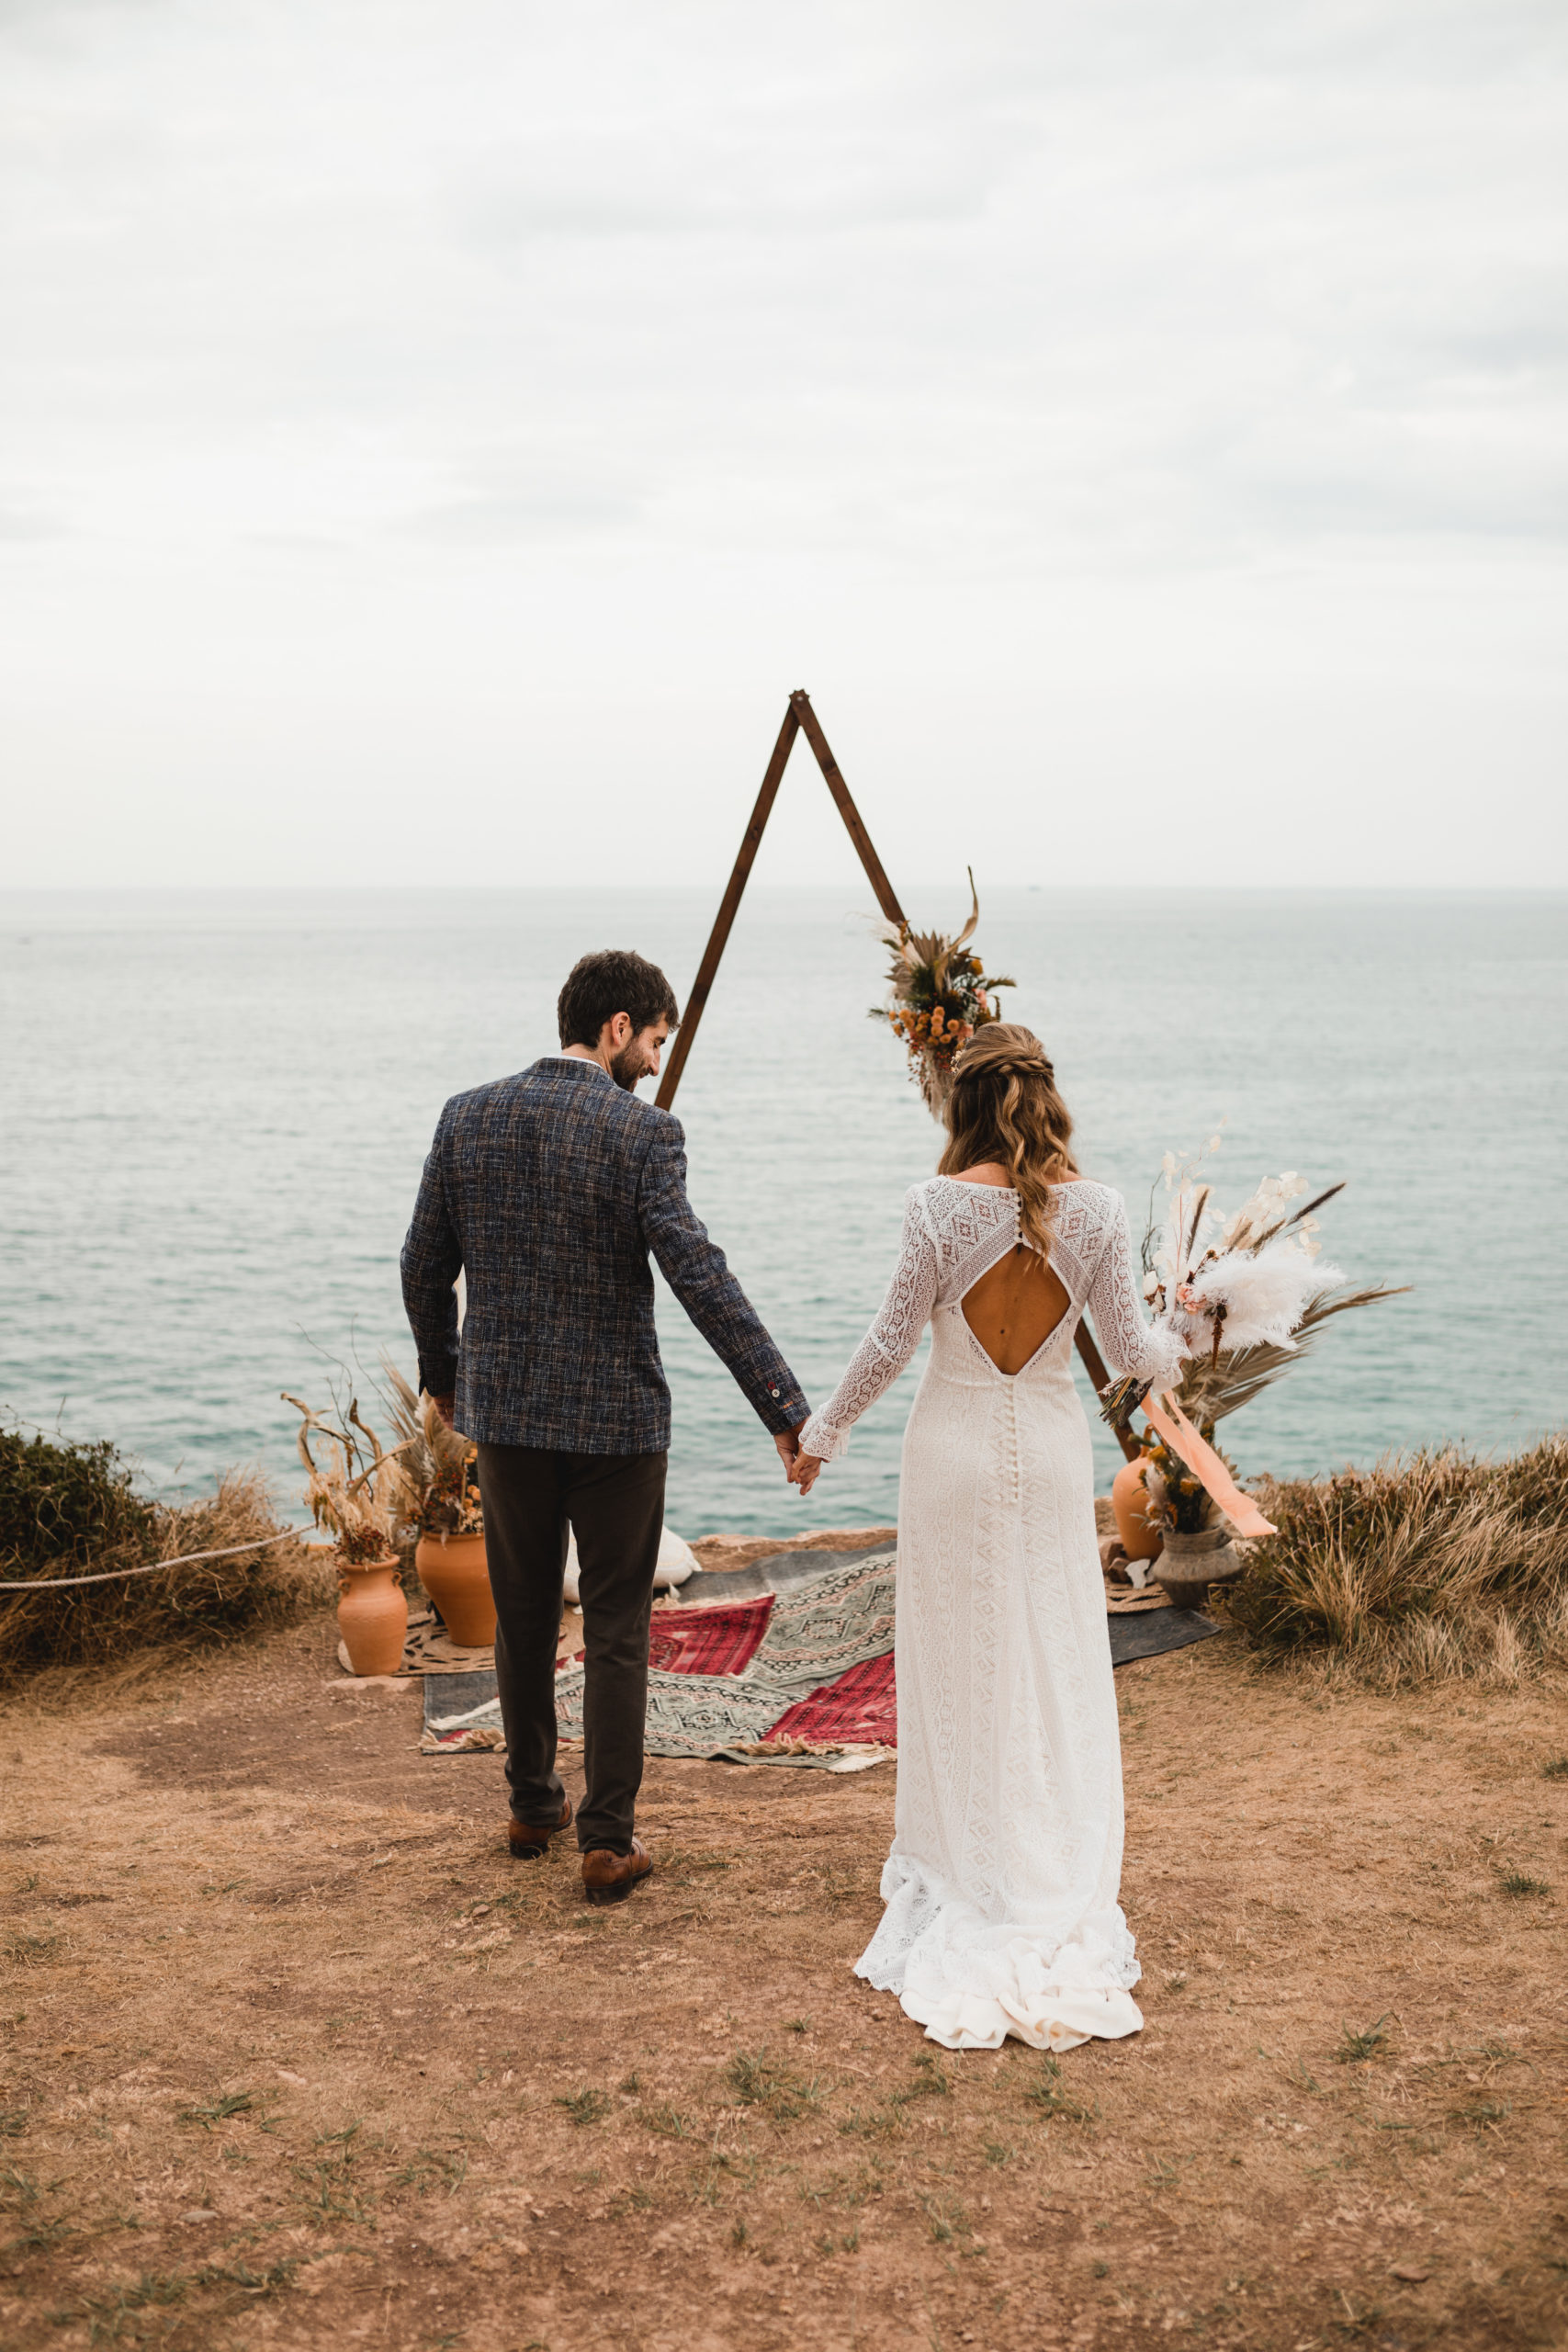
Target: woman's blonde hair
[1004,1106]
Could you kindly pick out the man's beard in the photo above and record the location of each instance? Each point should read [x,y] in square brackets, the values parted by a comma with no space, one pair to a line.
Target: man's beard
[628,1066]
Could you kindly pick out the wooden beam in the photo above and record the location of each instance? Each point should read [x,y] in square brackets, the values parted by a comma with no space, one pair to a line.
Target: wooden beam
[751,841]
[800,702]
[1099,1380]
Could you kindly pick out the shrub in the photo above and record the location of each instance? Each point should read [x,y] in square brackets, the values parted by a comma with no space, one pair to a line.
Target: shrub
[71,1510]
[1430,1564]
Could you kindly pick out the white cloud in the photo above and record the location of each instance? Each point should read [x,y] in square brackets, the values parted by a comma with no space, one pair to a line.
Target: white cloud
[1090,401]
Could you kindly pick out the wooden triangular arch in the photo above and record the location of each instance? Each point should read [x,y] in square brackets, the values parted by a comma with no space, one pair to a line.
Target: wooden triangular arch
[801,719]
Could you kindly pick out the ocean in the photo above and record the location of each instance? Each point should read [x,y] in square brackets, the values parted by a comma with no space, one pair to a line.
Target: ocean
[216,1106]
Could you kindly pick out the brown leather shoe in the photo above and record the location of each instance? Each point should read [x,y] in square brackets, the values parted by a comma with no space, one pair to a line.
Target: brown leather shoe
[610,1878]
[529,1839]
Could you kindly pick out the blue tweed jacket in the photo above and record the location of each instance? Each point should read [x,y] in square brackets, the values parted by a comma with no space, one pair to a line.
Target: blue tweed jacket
[549,1190]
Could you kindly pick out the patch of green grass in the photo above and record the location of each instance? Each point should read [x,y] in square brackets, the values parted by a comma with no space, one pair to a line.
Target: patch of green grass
[666,2122]
[628,2086]
[1481,2114]
[431,2170]
[928,2082]
[1557,1769]
[737,2232]
[998,2152]
[762,2082]
[218,2110]
[108,2315]
[586,2107]
[25,1950]
[947,2222]
[873,2123]
[848,2242]
[329,2190]
[1050,2094]
[12,2122]
[1519,1882]
[798,2025]
[257,2283]
[1355,2048]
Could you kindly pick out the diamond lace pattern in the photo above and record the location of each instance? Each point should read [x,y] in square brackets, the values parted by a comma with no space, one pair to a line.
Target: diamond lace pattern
[1002,1888]
[952,1235]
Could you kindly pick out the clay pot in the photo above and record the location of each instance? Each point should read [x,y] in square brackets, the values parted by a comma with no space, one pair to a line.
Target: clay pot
[1130,1502]
[372,1615]
[453,1571]
[1190,1563]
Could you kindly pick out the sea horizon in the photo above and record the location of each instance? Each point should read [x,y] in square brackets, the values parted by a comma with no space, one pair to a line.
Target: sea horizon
[219,1100]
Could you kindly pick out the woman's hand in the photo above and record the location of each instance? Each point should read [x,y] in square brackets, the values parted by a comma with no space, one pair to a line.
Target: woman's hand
[803,1471]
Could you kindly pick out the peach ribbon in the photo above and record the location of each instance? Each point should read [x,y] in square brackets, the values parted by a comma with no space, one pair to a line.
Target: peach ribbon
[1178,1433]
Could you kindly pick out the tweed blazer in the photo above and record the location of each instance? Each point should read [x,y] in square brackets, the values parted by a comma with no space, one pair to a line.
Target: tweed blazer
[549,1190]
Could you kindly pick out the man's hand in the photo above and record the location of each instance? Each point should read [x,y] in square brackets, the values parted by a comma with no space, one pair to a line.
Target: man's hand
[446,1406]
[805,1471]
[788,1444]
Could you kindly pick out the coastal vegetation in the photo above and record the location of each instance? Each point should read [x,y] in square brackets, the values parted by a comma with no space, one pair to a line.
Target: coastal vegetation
[71,1510]
[1429,1565]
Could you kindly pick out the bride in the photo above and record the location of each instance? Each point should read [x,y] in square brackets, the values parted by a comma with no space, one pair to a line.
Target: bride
[1001,1885]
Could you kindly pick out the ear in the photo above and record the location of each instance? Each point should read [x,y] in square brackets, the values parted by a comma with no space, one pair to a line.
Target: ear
[620,1028]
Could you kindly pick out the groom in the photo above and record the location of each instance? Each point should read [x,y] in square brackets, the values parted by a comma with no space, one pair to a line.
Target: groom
[549,1191]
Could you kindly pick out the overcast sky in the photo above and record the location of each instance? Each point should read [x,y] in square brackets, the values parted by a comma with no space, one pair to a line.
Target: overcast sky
[434,440]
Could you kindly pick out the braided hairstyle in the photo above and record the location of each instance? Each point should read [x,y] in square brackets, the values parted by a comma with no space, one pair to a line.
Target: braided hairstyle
[1004,1106]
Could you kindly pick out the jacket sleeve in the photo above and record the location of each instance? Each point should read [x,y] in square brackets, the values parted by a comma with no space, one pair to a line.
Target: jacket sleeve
[696,1270]
[432,1260]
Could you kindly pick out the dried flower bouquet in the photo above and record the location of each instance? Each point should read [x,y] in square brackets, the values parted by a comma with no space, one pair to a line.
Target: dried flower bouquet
[1248,1296]
[437,1461]
[356,1490]
[940,996]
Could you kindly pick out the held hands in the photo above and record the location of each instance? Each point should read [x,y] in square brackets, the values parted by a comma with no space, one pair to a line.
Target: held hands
[803,1471]
[800,1469]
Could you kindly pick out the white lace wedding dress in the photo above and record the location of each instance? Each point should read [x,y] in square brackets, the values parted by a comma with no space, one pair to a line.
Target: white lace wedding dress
[1001,1886]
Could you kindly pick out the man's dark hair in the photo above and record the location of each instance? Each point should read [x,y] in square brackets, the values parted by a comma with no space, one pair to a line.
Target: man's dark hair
[615,980]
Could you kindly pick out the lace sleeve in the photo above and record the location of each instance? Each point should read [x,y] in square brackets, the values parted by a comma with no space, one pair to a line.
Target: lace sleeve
[886,1347]
[1154,1353]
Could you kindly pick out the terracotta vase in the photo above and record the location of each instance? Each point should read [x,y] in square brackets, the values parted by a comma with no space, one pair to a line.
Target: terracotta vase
[1190,1563]
[372,1615]
[452,1569]
[1130,1502]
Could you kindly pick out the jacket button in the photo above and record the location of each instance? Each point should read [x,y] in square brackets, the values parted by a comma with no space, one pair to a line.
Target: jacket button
[772,1392]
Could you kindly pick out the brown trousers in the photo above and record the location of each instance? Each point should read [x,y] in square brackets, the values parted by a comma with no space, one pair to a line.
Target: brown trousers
[614,1503]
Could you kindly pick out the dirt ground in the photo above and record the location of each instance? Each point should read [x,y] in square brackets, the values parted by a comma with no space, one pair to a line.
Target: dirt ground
[296,2056]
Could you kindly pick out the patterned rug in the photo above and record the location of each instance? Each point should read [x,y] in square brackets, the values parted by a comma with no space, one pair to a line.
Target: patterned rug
[727,1681]
[860,1710]
[708,1641]
[804,1676]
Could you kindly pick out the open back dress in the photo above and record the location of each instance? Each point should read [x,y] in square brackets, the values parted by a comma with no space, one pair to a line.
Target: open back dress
[1002,1885]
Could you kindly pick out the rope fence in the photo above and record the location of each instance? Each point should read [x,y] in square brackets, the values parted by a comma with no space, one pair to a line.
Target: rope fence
[147,1567]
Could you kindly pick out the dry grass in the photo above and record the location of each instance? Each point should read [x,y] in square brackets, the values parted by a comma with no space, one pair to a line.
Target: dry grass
[296,2057]
[1432,1565]
[78,1512]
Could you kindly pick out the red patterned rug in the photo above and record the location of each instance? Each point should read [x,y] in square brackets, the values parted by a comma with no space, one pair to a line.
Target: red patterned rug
[708,1641]
[859,1709]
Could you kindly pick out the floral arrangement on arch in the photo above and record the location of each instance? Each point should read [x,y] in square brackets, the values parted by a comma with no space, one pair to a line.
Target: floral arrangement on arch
[1247,1294]
[940,995]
